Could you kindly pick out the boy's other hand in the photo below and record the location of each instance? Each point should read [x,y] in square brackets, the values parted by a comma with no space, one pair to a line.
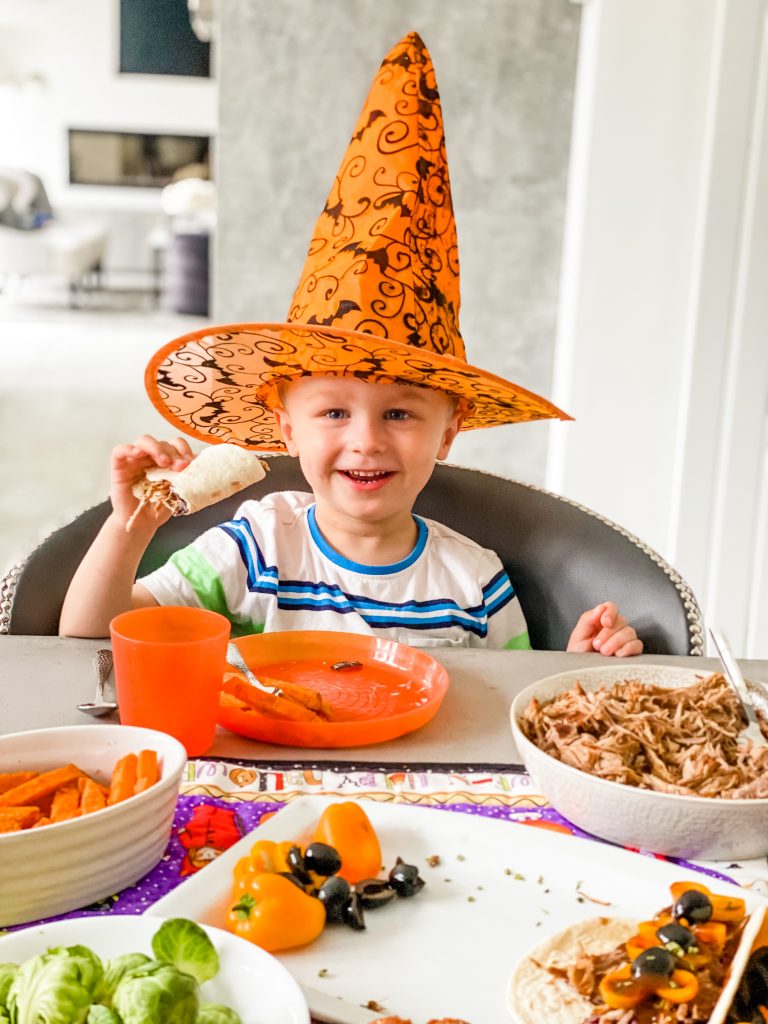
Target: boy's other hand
[603,629]
[129,464]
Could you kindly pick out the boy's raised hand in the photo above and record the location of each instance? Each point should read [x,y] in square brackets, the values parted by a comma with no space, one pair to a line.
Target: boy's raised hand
[603,629]
[131,461]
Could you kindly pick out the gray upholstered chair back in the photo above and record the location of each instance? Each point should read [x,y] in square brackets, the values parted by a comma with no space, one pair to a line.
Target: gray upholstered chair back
[561,557]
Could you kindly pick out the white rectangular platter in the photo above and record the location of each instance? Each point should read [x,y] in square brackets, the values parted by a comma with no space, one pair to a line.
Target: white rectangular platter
[449,951]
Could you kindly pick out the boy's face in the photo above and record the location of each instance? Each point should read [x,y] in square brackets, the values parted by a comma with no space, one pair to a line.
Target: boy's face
[366,449]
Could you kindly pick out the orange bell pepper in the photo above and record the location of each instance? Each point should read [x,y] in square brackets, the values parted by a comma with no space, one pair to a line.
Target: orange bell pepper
[636,945]
[680,988]
[621,991]
[711,933]
[274,913]
[724,908]
[347,828]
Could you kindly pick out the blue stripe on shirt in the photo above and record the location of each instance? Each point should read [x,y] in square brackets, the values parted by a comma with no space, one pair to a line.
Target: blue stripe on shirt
[300,595]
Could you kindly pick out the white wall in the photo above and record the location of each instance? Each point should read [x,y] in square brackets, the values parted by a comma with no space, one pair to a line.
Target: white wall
[58,68]
[662,256]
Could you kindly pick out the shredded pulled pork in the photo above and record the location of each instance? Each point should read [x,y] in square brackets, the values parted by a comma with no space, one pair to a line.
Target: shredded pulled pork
[159,494]
[678,740]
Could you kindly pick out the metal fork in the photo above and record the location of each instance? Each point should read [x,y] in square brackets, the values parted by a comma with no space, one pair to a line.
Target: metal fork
[734,676]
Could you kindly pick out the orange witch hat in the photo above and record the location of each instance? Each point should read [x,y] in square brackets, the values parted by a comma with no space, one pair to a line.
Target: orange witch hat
[379,295]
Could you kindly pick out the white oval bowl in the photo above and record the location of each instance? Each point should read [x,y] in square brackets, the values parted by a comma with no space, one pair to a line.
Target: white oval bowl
[690,827]
[66,865]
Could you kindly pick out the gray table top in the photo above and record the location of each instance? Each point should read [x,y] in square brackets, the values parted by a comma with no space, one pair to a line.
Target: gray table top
[43,678]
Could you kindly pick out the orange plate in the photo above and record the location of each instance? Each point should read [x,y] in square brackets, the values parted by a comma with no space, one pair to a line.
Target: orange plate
[397,690]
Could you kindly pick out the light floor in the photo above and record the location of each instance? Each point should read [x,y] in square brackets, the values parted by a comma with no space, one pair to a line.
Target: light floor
[71,387]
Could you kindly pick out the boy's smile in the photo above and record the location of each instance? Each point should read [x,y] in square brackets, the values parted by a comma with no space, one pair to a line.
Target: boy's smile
[367,450]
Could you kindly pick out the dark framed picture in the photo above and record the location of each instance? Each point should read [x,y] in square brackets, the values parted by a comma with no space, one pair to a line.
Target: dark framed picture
[156,38]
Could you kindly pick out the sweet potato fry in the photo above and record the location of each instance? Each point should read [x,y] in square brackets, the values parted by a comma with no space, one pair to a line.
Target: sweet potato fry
[146,770]
[228,700]
[22,816]
[66,803]
[10,826]
[42,785]
[85,780]
[300,694]
[92,797]
[265,704]
[123,781]
[10,779]
[41,821]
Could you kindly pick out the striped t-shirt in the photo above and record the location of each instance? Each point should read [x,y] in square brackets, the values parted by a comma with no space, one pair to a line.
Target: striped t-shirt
[271,569]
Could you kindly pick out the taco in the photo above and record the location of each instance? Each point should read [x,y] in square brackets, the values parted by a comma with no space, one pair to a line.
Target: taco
[670,969]
[216,473]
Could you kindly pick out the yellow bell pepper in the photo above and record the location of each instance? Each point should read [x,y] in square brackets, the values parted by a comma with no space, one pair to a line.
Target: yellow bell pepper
[269,910]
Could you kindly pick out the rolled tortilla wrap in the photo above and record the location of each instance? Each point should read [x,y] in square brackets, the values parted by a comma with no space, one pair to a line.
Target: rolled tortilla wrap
[216,473]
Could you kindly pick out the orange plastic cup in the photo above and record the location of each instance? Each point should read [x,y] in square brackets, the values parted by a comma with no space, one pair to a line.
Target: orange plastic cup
[169,667]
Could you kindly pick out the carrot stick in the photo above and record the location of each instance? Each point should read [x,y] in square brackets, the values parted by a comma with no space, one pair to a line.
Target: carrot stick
[146,768]
[92,797]
[42,785]
[66,803]
[24,816]
[10,779]
[123,781]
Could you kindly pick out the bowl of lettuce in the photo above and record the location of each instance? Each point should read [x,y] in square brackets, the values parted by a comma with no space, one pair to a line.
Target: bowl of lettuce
[121,969]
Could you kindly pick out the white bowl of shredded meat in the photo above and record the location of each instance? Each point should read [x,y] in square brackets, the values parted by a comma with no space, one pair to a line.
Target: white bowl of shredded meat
[648,756]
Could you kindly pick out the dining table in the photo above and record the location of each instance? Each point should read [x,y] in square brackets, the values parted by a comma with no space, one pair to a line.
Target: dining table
[463,760]
[43,678]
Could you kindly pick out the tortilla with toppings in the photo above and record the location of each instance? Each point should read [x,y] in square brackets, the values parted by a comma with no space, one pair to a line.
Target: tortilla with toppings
[216,473]
[560,978]
[539,989]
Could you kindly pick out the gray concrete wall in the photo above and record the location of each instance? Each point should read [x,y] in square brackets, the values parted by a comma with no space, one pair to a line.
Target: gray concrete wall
[293,77]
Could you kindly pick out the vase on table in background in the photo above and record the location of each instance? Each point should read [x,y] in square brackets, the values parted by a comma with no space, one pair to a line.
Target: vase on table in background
[191,205]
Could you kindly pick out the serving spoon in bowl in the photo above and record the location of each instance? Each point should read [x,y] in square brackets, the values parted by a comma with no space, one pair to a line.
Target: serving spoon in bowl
[102,664]
[733,674]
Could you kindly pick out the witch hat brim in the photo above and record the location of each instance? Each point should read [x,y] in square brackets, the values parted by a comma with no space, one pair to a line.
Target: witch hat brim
[379,296]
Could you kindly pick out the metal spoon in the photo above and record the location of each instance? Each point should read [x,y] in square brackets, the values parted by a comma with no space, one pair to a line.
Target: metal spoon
[733,674]
[102,664]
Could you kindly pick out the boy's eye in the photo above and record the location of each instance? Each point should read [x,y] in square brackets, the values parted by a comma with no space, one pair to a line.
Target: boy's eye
[334,414]
[396,414]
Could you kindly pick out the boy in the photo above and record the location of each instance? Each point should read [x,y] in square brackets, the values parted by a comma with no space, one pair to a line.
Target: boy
[368,384]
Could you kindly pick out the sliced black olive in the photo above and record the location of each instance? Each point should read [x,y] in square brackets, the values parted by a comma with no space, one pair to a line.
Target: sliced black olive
[404,879]
[295,860]
[352,914]
[374,892]
[675,936]
[322,859]
[655,962]
[334,894]
[292,878]
[694,906]
[753,988]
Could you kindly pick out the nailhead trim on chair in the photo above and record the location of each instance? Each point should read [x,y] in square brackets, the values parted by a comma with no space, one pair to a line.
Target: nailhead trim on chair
[7,590]
[692,610]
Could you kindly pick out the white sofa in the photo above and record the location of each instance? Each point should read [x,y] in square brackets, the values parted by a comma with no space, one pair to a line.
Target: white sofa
[66,249]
